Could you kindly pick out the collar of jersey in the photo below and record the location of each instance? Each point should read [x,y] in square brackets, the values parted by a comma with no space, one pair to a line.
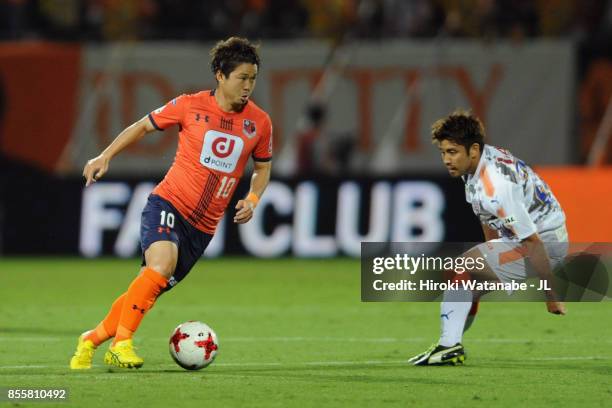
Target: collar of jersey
[473,179]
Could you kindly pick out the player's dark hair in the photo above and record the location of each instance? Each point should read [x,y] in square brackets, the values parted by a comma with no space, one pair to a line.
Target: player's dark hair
[228,54]
[460,127]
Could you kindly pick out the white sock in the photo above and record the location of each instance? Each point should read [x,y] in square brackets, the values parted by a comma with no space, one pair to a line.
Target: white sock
[453,316]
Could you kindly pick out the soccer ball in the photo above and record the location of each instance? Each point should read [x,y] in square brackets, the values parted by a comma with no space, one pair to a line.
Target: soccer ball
[193,345]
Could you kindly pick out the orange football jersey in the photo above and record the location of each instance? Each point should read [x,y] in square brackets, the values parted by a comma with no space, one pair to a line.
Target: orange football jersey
[213,149]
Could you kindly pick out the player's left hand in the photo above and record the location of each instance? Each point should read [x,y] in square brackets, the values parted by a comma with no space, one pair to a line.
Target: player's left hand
[245,211]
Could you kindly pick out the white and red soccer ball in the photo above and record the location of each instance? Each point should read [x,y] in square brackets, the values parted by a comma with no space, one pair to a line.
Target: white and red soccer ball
[193,345]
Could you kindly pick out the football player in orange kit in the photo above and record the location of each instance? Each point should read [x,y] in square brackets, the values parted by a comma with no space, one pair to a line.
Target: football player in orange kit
[219,130]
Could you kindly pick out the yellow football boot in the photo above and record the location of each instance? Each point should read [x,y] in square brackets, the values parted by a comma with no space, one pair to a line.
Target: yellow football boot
[122,355]
[83,354]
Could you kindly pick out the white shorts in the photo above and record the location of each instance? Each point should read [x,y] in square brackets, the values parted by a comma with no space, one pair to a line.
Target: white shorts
[508,263]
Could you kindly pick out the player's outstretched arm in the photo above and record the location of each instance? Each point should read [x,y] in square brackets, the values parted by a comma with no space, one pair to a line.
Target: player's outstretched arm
[98,166]
[259,182]
[538,257]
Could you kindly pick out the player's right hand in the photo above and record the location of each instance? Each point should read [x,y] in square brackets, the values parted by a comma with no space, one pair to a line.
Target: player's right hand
[95,169]
[555,307]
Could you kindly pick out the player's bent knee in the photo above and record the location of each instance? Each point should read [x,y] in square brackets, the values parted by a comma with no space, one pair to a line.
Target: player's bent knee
[162,257]
[163,268]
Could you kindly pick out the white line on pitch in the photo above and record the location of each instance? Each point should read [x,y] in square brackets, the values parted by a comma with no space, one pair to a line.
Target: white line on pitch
[324,339]
[247,364]
[570,358]
[9,338]
[252,339]
[335,339]
[306,363]
[26,366]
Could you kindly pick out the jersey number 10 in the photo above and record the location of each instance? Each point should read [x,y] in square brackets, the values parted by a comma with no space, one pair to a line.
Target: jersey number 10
[227,184]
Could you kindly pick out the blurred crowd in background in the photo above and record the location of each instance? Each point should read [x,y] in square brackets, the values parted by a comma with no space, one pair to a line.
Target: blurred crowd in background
[113,20]
[584,23]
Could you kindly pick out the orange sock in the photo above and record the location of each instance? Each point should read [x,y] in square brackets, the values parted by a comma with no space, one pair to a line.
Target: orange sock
[107,327]
[139,299]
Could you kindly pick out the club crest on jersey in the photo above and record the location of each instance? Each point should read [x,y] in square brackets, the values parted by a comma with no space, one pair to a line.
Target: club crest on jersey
[248,128]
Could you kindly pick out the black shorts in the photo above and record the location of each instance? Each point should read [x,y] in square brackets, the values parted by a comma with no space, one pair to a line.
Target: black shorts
[162,222]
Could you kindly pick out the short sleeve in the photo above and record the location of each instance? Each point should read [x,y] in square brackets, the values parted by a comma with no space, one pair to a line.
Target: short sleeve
[263,148]
[170,114]
[512,211]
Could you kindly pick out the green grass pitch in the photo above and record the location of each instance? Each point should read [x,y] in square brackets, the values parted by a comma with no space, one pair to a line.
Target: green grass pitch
[293,333]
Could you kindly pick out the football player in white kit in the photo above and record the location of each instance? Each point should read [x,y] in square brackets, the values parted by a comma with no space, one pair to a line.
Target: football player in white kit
[520,218]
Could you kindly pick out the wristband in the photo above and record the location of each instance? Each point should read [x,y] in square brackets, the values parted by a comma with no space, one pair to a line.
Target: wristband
[253,199]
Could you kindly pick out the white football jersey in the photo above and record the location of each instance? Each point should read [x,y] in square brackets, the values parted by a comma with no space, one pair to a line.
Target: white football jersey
[508,196]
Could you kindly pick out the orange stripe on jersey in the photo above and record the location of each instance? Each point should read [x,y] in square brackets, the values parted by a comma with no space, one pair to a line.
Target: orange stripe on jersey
[486,181]
[512,255]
